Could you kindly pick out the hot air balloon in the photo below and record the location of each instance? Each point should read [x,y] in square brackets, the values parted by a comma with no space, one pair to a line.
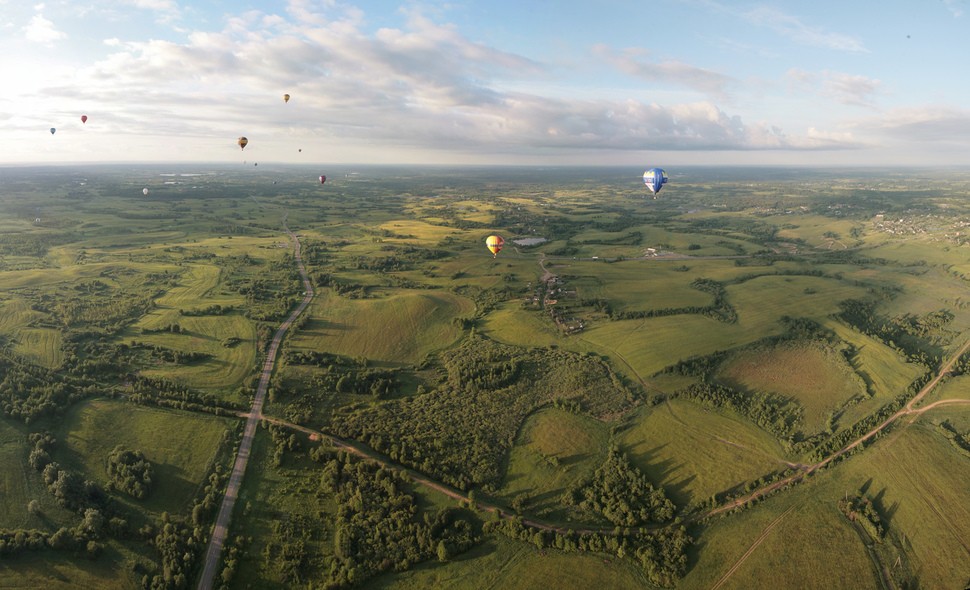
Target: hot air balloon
[286,98]
[242,141]
[53,130]
[655,178]
[144,191]
[323,179]
[494,244]
[84,118]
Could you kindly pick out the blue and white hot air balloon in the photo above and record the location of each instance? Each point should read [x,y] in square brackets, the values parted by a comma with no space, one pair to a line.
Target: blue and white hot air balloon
[655,178]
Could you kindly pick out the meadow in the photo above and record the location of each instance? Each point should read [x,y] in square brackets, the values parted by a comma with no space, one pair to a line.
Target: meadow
[181,447]
[728,334]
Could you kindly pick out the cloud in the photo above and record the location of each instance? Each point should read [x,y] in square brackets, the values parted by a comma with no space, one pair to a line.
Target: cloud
[921,125]
[421,85]
[793,28]
[954,7]
[844,88]
[668,72]
[41,30]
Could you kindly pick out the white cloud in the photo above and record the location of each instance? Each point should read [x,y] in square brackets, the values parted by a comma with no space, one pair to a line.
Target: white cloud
[849,89]
[793,28]
[672,72]
[422,85]
[41,30]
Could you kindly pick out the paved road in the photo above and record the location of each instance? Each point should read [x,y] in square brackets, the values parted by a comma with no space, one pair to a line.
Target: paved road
[214,552]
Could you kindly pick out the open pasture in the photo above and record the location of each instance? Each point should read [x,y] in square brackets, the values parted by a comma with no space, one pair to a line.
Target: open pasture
[632,285]
[817,378]
[918,478]
[503,563]
[415,232]
[761,302]
[41,346]
[402,326]
[227,366]
[640,348]
[695,453]
[788,537]
[554,449]
[512,324]
[885,370]
[180,445]
[21,483]
[61,571]
[816,231]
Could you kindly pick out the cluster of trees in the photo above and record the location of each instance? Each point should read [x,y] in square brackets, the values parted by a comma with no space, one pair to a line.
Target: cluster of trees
[162,392]
[130,471]
[344,375]
[168,355]
[29,392]
[861,509]
[621,493]
[215,309]
[460,431]
[401,258]
[377,527]
[173,328]
[661,554]
[179,546]
[84,538]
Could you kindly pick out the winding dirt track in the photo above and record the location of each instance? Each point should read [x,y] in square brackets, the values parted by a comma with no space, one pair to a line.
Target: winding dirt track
[214,551]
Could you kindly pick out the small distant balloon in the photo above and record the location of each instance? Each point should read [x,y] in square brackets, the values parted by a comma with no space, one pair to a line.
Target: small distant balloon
[494,244]
[655,178]
[300,150]
[144,191]
[84,118]
[286,98]
[255,163]
[242,141]
[323,179]
[53,130]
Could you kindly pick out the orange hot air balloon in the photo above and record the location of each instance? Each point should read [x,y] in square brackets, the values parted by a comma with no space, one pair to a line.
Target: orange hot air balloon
[494,244]
[84,118]
[242,141]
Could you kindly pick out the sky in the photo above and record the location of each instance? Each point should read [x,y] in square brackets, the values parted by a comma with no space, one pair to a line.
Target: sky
[476,82]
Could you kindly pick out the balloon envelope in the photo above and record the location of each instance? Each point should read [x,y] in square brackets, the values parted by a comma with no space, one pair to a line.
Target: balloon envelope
[84,118]
[286,98]
[494,244]
[53,130]
[242,141]
[144,191]
[655,178]
[323,179]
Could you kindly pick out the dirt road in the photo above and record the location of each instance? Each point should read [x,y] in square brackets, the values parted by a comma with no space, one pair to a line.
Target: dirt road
[221,529]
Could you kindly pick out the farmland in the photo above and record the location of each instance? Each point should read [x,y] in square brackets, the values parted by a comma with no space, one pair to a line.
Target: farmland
[633,393]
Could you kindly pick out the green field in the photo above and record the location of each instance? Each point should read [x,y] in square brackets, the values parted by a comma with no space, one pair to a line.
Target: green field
[555,448]
[427,351]
[695,453]
[180,446]
[817,378]
[501,563]
[420,320]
